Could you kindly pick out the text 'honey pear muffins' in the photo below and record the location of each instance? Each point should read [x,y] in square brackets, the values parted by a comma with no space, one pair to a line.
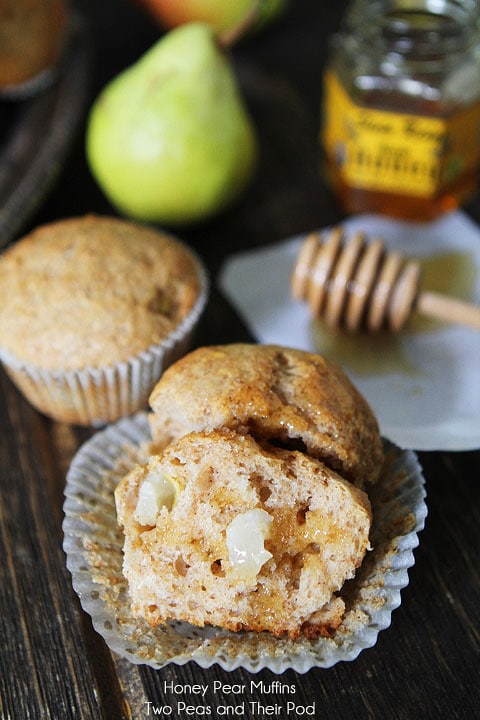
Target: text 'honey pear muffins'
[92,309]
[280,394]
[224,531]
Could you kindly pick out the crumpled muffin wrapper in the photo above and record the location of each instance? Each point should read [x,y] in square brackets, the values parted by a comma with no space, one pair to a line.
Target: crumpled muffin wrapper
[93,544]
[99,395]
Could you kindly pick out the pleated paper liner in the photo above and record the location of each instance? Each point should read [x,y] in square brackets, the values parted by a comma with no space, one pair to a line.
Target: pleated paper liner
[96,396]
[93,545]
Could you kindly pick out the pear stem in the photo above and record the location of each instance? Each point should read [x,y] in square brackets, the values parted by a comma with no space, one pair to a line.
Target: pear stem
[235,33]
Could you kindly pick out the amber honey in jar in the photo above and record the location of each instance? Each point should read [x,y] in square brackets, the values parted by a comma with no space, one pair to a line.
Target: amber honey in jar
[401,111]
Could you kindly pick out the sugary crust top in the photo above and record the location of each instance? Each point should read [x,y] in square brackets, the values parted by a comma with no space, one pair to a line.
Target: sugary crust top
[274,393]
[92,291]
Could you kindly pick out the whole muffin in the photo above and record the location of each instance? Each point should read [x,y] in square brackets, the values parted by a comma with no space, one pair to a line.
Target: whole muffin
[225,531]
[32,37]
[286,396]
[92,309]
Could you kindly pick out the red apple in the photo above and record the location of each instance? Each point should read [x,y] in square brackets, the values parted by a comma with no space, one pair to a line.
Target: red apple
[222,15]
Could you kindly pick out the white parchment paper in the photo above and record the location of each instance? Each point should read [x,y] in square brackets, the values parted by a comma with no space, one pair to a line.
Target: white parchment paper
[427,400]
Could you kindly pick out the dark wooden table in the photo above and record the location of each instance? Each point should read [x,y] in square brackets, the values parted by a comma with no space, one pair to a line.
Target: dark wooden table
[52,663]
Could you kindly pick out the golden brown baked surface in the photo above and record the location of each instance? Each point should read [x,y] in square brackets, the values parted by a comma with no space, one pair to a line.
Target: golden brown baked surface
[32,36]
[283,395]
[92,291]
[201,558]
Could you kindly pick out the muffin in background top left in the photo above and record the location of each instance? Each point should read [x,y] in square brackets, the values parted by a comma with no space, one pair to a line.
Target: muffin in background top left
[92,310]
[32,38]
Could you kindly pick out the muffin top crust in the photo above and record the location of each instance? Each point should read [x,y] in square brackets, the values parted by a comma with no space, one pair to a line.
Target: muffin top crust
[93,291]
[32,37]
[283,395]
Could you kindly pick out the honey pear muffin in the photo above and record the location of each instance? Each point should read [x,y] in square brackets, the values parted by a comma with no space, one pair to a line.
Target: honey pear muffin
[287,396]
[32,38]
[92,309]
[226,531]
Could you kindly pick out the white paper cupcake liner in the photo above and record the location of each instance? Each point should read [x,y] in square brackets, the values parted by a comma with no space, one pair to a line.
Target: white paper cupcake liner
[93,544]
[96,396]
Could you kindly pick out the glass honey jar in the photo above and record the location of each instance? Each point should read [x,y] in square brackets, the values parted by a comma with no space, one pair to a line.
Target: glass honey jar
[401,108]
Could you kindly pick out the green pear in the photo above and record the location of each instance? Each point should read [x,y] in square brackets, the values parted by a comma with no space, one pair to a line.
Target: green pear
[169,140]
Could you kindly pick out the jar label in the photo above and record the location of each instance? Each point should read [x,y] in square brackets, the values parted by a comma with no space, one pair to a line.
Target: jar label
[402,153]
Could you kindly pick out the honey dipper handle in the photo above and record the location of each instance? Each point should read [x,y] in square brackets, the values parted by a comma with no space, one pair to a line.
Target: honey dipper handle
[450,309]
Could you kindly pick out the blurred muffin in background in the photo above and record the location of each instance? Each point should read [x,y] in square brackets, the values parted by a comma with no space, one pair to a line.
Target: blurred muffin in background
[32,38]
[92,310]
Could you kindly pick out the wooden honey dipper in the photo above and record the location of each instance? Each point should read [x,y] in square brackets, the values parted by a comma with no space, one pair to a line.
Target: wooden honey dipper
[356,284]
